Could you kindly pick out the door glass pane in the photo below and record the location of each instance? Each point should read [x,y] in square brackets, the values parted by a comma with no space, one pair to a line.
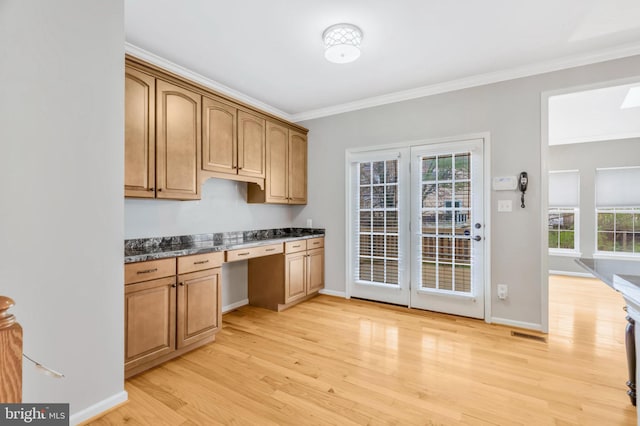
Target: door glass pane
[365,221]
[446,201]
[429,195]
[392,171]
[429,275]
[377,223]
[444,167]
[392,222]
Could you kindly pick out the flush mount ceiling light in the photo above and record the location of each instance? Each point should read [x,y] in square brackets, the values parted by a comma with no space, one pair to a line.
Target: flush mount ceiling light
[342,43]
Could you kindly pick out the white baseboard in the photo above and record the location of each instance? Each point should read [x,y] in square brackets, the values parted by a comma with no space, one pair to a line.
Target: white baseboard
[519,324]
[572,274]
[235,305]
[333,293]
[98,408]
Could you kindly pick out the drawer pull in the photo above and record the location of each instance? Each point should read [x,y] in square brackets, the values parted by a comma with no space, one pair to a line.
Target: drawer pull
[298,246]
[270,249]
[315,243]
[147,271]
[247,253]
[201,262]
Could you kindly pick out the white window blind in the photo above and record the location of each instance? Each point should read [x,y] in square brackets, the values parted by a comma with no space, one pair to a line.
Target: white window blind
[619,187]
[564,188]
[376,222]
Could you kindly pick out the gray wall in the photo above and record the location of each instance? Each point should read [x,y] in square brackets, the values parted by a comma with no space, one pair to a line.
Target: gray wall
[61,127]
[511,112]
[586,157]
[222,208]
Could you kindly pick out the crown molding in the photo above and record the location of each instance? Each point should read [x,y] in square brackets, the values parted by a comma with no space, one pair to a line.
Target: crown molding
[474,81]
[154,59]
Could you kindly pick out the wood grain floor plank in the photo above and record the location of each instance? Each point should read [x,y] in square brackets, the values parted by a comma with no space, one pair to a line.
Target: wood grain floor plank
[353,362]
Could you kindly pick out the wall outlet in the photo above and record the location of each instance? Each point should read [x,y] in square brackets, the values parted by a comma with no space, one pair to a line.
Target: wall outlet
[309,223]
[503,291]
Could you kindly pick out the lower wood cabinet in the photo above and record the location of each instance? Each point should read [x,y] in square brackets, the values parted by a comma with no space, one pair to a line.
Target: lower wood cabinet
[199,310]
[171,306]
[278,282]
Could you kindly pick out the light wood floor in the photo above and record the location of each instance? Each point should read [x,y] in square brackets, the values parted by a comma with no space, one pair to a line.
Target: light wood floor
[344,362]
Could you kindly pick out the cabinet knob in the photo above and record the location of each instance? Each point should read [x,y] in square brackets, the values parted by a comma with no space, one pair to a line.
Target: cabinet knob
[173,286]
[181,284]
[159,189]
[151,189]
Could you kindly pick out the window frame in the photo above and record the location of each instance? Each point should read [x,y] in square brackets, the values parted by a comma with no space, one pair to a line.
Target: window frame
[617,254]
[575,251]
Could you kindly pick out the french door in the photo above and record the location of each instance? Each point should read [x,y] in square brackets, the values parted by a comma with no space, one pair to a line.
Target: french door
[417,227]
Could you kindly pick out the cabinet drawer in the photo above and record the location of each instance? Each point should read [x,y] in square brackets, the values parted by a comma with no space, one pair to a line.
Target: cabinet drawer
[248,253]
[314,243]
[150,270]
[199,262]
[295,246]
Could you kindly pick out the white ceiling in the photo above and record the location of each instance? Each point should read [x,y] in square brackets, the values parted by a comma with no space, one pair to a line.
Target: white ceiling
[593,115]
[271,51]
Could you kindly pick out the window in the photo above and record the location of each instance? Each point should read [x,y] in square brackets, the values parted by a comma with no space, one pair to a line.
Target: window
[564,202]
[618,211]
[563,229]
[377,227]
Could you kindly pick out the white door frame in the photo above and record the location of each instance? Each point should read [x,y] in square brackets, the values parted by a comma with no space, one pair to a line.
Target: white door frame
[544,183]
[486,137]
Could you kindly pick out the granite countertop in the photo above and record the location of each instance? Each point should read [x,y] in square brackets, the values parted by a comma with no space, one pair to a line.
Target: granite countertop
[141,249]
[605,269]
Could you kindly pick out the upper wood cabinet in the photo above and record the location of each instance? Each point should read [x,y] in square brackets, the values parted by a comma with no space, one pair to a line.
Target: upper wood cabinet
[139,138]
[297,168]
[219,139]
[179,133]
[233,140]
[286,168]
[178,142]
[277,182]
[162,138]
[251,145]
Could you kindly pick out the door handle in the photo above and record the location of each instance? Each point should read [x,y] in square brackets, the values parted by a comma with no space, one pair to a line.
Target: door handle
[477,238]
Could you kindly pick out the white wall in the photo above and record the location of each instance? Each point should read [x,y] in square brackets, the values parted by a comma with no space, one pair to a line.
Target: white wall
[586,158]
[222,208]
[511,112]
[61,129]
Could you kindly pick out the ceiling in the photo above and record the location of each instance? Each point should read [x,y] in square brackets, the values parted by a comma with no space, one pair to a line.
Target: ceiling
[595,115]
[271,51]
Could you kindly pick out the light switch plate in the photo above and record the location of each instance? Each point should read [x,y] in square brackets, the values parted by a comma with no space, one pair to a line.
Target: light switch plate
[505,205]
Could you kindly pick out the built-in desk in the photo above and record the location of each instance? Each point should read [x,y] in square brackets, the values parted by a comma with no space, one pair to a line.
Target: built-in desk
[624,277]
[173,285]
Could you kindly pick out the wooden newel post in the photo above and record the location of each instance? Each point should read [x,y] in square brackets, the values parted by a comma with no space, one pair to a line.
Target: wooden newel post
[10,354]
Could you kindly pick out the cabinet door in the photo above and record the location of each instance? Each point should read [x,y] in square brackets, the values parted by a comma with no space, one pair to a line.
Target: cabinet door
[219,140]
[315,270]
[276,185]
[251,145]
[295,276]
[199,309]
[178,114]
[297,168]
[150,315]
[139,134]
